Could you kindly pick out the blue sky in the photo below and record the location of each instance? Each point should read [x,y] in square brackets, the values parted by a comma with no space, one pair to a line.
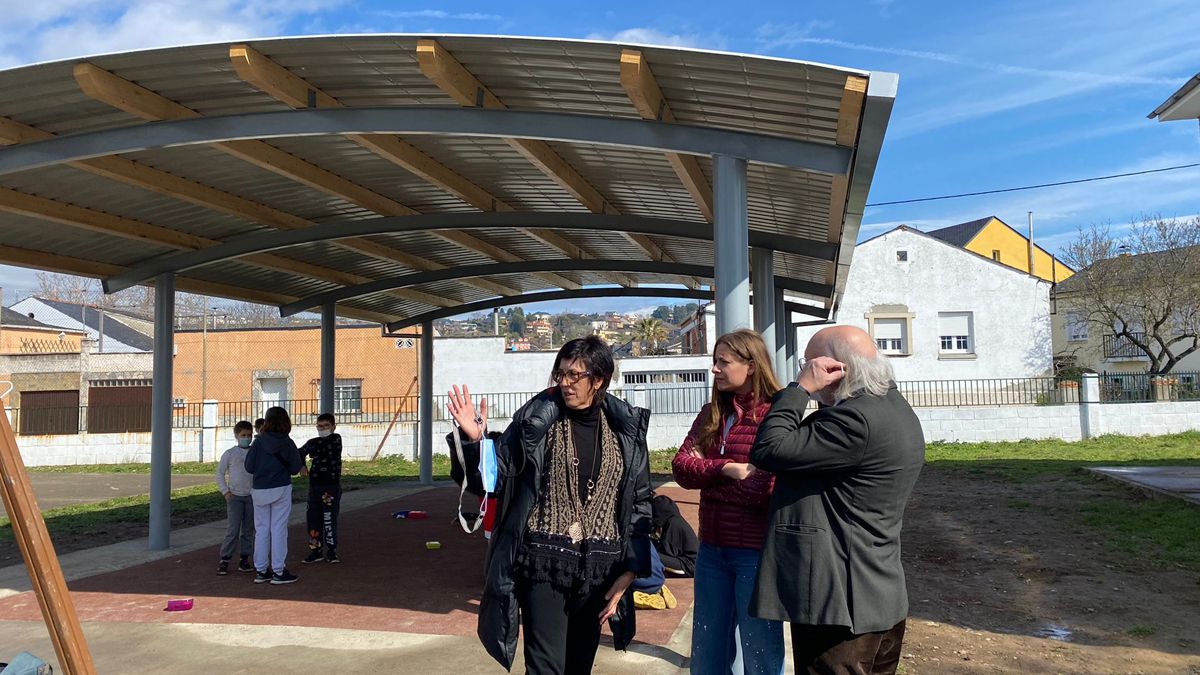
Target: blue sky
[991,95]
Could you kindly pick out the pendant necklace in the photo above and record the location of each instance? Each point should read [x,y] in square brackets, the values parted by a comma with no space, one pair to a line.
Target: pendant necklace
[575,529]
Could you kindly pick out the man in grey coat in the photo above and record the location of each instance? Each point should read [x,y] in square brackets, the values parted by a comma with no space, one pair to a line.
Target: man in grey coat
[843,475]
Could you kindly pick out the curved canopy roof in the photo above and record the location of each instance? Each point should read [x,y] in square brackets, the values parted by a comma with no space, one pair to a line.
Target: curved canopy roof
[405,176]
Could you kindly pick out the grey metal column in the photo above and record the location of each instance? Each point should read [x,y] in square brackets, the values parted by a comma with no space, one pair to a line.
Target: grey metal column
[793,358]
[161,412]
[425,404]
[328,342]
[762,269]
[730,244]
[783,321]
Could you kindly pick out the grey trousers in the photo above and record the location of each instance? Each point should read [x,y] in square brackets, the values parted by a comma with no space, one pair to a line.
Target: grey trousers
[240,526]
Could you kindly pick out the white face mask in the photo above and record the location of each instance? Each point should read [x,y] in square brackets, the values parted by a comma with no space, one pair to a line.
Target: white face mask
[244,442]
[324,433]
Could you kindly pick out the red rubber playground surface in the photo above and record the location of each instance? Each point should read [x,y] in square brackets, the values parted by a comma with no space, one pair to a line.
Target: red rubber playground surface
[388,580]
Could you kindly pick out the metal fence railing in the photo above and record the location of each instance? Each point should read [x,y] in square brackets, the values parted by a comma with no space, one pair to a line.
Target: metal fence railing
[989,392]
[1144,387]
[1114,388]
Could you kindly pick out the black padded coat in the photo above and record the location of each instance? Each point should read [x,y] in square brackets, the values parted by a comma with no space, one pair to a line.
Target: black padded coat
[521,458]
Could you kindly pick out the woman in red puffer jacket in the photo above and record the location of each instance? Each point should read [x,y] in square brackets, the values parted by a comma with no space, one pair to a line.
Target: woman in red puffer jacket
[734,499]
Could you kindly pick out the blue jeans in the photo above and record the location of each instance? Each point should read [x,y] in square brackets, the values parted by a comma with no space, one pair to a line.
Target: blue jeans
[653,583]
[724,581]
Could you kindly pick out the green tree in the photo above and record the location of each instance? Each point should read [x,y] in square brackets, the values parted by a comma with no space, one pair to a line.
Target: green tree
[681,313]
[662,313]
[516,320]
[650,333]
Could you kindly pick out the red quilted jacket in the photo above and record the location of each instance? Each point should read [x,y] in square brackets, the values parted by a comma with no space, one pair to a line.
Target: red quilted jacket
[732,513]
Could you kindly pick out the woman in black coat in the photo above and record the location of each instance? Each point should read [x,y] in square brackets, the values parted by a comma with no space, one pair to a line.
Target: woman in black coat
[575,518]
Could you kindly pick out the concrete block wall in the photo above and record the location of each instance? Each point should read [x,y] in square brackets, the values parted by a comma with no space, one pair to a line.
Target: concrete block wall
[360,441]
[969,425]
[1143,419]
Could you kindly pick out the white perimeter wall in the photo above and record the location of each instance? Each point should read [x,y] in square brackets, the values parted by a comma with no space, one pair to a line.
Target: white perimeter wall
[484,366]
[360,441]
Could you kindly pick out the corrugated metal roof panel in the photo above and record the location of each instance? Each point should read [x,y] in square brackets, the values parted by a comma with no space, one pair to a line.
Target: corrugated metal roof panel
[764,95]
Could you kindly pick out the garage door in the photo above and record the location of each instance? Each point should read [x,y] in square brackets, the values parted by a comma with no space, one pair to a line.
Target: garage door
[48,412]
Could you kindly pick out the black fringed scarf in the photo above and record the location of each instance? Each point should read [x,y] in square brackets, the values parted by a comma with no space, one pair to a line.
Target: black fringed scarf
[571,543]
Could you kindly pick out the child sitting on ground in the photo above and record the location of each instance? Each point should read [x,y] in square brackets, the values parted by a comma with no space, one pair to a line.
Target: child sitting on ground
[235,484]
[324,489]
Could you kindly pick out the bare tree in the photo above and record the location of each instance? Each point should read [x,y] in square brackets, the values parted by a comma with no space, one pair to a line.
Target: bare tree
[1142,288]
[189,308]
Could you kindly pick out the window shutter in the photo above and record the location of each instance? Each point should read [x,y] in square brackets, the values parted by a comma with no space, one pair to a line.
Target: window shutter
[956,323]
[889,329]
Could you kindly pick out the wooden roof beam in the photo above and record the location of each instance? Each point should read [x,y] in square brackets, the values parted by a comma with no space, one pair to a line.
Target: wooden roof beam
[854,94]
[91,220]
[642,88]
[459,84]
[103,86]
[62,264]
[268,76]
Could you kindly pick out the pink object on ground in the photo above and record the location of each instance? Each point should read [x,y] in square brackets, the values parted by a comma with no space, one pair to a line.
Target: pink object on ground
[179,605]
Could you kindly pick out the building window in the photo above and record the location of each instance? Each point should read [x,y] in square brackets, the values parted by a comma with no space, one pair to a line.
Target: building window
[954,332]
[178,403]
[347,396]
[667,377]
[891,336]
[901,256]
[1077,328]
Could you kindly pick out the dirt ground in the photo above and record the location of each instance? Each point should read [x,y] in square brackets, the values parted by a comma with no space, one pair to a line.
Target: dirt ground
[997,570]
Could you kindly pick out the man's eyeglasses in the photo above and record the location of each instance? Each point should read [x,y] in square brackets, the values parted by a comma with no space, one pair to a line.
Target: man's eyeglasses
[569,377]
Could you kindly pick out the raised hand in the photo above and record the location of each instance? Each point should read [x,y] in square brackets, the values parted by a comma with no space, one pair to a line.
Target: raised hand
[819,373]
[462,409]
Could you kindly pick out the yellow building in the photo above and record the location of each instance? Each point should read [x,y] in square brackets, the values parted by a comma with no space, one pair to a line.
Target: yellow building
[993,238]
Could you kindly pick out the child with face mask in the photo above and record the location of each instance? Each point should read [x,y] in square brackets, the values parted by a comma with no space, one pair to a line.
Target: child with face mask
[235,484]
[324,489]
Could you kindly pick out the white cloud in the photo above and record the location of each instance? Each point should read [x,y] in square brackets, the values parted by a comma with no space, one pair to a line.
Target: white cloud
[787,38]
[439,14]
[61,29]
[1053,53]
[1060,211]
[653,36]
[17,282]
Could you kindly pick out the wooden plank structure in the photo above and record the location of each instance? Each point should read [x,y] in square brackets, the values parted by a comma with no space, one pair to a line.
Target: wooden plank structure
[40,560]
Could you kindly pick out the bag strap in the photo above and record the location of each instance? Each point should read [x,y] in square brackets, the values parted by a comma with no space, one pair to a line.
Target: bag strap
[462,461]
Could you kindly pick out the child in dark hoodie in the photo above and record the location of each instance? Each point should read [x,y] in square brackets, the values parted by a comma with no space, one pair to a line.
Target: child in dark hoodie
[272,460]
[324,489]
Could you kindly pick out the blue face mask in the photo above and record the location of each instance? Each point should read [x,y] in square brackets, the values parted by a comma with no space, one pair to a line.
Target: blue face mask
[244,442]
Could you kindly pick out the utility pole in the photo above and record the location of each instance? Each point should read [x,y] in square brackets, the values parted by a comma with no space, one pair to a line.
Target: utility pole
[204,353]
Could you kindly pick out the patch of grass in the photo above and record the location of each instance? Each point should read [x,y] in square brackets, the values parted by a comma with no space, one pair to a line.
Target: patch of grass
[200,503]
[1162,530]
[181,468]
[127,517]
[1141,631]
[660,461]
[1029,460]
[1158,531]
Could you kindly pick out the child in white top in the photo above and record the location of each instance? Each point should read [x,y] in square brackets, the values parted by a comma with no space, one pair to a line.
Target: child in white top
[235,484]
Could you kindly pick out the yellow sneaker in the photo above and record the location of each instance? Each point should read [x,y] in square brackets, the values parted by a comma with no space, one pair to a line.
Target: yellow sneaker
[646,601]
[668,597]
